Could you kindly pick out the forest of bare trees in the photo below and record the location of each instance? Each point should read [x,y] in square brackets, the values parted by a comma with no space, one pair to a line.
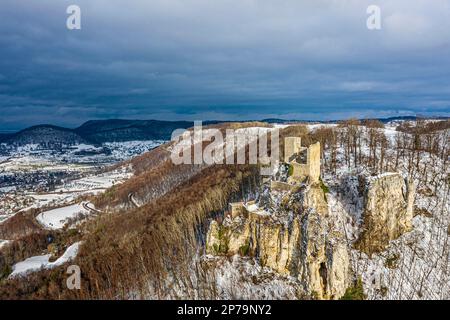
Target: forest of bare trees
[384,153]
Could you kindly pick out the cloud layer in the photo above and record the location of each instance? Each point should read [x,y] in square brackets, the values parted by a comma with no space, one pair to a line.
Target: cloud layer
[221,59]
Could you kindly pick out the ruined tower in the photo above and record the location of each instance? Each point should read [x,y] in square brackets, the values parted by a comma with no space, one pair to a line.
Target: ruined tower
[305,162]
[292,146]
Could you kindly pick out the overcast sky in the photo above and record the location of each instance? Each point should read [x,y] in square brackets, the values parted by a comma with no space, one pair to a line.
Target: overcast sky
[221,59]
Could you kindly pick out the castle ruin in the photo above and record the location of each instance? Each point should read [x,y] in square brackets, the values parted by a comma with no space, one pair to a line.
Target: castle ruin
[305,161]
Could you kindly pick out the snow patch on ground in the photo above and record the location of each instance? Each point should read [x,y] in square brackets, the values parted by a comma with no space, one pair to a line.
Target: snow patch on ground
[42,262]
[243,278]
[57,218]
[96,183]
[313,127]
[3,243]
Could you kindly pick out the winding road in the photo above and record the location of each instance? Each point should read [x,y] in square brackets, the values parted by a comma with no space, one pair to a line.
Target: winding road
[85,205]
[132,200]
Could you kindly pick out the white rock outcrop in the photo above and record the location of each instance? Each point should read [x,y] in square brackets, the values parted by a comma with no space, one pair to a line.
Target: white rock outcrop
[388,211]
[293,241]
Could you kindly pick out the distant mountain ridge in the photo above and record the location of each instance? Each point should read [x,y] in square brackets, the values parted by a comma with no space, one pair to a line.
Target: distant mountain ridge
[384,120]
[120,130]
[46,135]
[97,132]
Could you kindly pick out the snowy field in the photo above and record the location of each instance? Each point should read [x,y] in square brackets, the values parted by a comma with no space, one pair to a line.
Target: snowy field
[58,218]
[42,262]
[96,183]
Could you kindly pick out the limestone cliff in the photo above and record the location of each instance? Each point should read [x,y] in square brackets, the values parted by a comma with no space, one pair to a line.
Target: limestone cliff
[388,211]
[292,238]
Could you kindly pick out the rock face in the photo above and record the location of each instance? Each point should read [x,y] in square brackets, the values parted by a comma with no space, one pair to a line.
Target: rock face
[388,211]
[292,240]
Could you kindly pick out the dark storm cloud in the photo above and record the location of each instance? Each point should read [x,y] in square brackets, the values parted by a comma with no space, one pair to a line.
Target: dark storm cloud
[221,59]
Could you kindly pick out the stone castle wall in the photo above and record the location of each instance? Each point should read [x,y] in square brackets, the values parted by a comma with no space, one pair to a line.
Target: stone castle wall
[314,162]
[301,171]
[292,145]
